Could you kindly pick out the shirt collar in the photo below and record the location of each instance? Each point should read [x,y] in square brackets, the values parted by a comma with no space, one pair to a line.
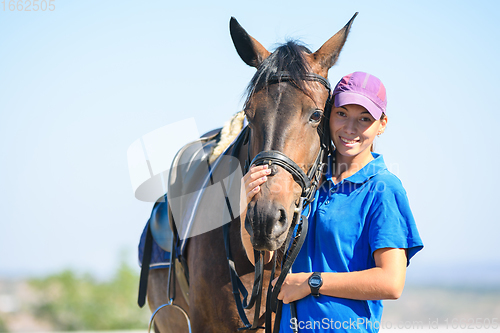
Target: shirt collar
[361,176]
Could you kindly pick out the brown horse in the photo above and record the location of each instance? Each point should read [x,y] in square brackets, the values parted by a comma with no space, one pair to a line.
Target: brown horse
[285,115]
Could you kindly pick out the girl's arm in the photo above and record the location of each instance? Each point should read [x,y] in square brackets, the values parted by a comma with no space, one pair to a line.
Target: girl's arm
[385,281]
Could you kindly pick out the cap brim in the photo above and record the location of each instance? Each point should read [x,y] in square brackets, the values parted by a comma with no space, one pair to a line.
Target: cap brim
[345,98]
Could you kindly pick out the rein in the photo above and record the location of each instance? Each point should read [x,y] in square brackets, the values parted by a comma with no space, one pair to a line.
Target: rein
[309,183]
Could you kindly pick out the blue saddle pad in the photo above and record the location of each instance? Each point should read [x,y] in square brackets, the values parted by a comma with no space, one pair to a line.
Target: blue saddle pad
[159,257]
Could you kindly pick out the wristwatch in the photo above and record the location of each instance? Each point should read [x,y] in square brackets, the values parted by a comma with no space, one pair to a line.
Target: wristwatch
[315,282]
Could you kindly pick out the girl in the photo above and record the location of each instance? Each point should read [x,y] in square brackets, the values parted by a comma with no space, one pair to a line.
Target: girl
[361,230]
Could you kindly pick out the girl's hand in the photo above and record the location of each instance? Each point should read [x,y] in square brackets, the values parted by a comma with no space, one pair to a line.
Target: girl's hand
[250,184]
[294,287]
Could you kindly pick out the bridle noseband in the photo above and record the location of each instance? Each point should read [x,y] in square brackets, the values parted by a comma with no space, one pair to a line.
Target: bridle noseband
[270,157]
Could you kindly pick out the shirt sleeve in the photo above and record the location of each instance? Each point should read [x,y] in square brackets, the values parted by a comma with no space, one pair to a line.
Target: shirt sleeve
[392,224]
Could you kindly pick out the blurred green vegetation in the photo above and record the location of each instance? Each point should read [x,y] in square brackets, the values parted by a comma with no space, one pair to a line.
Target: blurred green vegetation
[71,301]
[3,326]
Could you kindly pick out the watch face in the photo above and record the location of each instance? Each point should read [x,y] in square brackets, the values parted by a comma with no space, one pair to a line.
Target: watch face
[315,281]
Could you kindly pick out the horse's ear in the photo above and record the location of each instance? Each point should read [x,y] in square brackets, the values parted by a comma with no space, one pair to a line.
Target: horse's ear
[250,50]
[327,55]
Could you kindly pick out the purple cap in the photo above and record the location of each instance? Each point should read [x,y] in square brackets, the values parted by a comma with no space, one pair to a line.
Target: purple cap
[362,89]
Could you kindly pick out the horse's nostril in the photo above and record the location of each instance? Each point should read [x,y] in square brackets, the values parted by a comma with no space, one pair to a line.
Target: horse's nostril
[282,218]
[277,223]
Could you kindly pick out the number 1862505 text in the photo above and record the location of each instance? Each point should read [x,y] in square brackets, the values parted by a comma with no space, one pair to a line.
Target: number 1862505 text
[28,5]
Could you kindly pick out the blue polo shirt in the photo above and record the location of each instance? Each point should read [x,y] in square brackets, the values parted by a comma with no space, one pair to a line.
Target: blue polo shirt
[348,221]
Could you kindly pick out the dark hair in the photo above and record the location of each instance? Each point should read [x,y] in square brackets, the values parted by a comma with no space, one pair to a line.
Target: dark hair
[288,58]
[381,118]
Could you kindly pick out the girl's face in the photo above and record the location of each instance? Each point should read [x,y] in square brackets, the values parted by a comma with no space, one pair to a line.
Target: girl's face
[353,130]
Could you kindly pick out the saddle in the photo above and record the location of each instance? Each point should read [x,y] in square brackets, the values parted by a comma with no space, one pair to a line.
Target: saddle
[190,162]
[187,168]
[190,178]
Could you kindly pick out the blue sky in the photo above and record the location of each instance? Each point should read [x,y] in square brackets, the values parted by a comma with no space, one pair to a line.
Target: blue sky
[78,85]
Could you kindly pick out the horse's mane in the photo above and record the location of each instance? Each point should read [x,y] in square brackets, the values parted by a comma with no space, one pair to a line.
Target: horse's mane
[229,132]
[288,57]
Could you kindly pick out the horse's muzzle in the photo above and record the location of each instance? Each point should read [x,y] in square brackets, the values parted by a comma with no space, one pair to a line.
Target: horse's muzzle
[269,225]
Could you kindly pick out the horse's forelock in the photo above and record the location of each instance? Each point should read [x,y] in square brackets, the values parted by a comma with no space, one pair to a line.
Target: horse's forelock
[288,57]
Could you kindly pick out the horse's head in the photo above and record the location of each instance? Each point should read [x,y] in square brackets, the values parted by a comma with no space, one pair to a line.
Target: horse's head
[287,110]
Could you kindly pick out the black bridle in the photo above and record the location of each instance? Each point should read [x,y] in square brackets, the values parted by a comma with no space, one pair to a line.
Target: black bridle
[309,183]
[270,157]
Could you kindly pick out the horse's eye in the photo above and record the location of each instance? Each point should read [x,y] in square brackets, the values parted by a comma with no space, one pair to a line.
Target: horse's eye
[316,116]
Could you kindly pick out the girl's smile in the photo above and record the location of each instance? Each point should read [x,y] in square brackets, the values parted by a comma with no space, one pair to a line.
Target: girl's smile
[347,141]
